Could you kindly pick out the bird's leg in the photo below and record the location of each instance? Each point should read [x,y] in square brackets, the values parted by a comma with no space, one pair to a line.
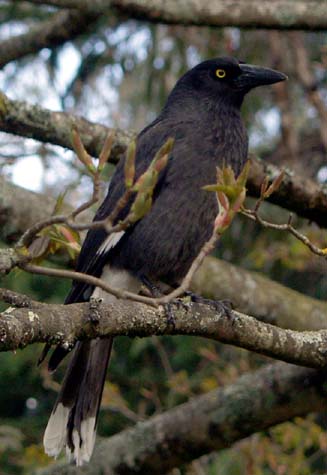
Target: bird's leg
[222,306]
[153,289]
[156,292]
[94,314]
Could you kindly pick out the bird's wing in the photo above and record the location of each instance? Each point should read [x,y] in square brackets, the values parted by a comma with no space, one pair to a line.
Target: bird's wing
[96,249]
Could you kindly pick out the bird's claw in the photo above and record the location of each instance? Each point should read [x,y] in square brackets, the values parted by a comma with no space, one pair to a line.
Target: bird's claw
[94,314]
[169,309]
[222,306]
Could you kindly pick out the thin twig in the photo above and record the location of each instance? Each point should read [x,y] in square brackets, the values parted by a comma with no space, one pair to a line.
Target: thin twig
[205,250]
[27,238]
[163,356]
[254,215]
[88,279]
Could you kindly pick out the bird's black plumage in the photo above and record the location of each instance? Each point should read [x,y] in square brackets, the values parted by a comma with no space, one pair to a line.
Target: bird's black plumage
[202,115]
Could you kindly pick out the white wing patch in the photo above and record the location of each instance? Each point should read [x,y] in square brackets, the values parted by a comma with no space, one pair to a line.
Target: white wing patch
[118,279]
[110,242]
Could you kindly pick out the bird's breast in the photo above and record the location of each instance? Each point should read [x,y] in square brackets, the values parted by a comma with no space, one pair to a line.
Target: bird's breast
[163,245]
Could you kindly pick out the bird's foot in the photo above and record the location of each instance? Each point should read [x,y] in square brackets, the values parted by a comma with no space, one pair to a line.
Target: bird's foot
[222,306]
[171,306]
[156,293]
[94,313]
[170,315]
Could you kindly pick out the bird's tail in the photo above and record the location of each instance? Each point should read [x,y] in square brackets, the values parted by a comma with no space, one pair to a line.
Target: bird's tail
[74,417]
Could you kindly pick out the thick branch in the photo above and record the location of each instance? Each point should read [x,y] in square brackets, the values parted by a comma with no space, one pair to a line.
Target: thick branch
[257,295]
[302,195]
[297,193]
[65,324]
[27,120]
[61,27]
[279,14]
[208,423]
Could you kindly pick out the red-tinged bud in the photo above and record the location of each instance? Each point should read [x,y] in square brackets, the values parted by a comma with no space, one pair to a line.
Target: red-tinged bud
[161,163]
[264,186]
[147,181]
[69,234]
[239,201]
[129,166]
[106,151]
[223,201]
[275,185]
[140,207]
[222,222]
[164,150]
[81,153]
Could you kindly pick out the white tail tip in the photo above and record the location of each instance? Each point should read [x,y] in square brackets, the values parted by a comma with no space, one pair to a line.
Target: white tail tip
[54,438]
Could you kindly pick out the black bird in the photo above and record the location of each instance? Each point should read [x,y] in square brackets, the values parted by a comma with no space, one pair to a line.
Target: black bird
[202,114]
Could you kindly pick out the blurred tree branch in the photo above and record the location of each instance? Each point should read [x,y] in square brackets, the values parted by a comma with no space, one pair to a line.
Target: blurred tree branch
[304,69]
[254,214]
[281,14]
[259,296]
[27,120]
[210,422]
[65,324]
[296,193]
[290,138]
[61,27]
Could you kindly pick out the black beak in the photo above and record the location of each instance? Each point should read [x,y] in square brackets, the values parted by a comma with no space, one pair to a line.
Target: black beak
[254,76]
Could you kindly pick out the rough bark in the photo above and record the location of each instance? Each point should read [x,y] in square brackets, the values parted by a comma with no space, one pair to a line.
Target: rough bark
[299,194]
[27,120]
[256,295]
[279,14]
[207,423]
[38,322]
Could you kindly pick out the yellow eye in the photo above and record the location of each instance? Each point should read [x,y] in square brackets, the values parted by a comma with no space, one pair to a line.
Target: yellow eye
[220,73]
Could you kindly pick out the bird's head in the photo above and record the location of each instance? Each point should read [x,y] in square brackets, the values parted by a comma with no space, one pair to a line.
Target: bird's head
[225,78]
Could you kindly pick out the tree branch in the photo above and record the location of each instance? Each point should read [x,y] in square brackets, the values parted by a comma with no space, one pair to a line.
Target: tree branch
[304,70]
[279,14]
[64,324]
[254,215]
[296,193]
[211,422]
[257,295]
[27,120]
[61,27]
[289,133]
